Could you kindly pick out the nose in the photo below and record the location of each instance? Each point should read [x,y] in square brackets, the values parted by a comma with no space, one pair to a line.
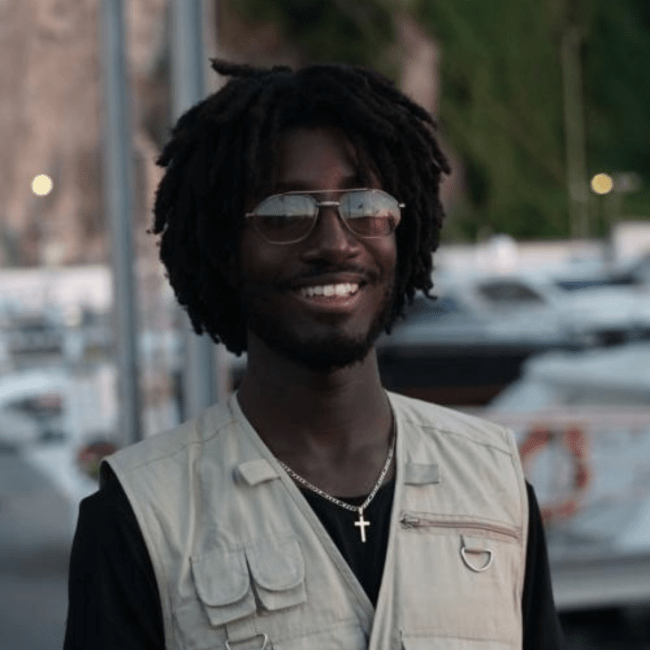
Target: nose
[330,239]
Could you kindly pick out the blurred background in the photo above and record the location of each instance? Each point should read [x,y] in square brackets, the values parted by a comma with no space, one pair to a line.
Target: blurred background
[543,279]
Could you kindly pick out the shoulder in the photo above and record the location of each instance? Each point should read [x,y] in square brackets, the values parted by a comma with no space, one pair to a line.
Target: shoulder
[440,421]
[477,463]
[182,440]
[106,520]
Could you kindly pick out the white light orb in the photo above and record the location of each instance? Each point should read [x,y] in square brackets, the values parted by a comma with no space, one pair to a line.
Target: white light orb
[602,183]
[42,185]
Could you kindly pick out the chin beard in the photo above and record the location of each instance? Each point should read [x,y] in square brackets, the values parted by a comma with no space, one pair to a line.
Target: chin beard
[325,353]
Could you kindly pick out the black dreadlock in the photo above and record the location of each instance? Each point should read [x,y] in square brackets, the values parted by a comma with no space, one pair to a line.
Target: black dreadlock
[222,155]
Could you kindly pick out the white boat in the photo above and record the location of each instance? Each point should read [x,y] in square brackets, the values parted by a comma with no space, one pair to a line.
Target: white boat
[465,347]
[582,421]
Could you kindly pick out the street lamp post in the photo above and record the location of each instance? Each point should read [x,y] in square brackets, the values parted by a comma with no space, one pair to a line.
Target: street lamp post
[610,189]
[119,189]
[201,371]
[574,128]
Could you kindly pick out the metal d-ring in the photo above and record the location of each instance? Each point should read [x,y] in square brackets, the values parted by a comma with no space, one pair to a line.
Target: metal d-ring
[265,641]
[469,565]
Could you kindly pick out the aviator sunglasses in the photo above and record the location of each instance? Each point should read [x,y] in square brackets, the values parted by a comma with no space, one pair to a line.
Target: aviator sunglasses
[290,217]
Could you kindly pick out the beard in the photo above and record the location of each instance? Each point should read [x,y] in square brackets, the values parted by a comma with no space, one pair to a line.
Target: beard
[324,353]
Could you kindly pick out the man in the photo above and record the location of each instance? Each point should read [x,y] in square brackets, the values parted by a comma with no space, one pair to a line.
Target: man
[298,214]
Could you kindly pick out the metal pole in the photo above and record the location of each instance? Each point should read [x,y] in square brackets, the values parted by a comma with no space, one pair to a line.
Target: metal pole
[119,190]
[574,127]
[189,87]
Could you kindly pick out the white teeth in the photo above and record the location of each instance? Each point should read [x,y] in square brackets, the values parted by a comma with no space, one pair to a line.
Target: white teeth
[339,290]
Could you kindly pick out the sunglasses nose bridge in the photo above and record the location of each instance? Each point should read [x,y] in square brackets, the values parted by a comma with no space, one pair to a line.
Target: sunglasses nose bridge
[335,205]
[322,222]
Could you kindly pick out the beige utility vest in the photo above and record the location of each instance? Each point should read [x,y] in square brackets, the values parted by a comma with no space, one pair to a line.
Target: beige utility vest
[242,561]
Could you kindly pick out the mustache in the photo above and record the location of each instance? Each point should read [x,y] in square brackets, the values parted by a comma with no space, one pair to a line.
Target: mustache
[368,276]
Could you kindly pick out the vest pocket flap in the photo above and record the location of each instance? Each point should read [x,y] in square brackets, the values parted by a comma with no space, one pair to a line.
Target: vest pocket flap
[343,637]
[221,577]
[449,643]
[276,565]
[278,570]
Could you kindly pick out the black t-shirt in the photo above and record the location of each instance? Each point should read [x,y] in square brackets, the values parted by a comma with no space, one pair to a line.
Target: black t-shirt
[113,595]
[365,559]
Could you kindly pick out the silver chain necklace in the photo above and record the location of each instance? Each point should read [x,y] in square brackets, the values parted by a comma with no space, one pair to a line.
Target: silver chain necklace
[361,523]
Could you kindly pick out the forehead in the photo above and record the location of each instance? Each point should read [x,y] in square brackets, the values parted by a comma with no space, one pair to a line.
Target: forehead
[316,158]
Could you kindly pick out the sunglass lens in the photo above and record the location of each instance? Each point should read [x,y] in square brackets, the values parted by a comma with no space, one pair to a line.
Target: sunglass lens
[285,218]
[370,213]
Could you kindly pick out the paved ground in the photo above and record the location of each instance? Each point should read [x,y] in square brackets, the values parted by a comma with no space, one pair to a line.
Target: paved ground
[36,526]
[35,534]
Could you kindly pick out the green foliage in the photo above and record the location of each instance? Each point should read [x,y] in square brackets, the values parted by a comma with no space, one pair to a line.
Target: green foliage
[618,87]
[502,99]
[502,104]
[501,110]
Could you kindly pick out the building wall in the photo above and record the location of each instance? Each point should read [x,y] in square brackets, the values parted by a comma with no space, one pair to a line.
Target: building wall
[51,122]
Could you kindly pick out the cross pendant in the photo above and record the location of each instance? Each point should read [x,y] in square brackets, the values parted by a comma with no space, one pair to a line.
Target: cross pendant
[361,524]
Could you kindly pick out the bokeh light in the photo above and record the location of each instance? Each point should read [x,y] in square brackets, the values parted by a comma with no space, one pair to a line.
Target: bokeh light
[42,185]
[602,183]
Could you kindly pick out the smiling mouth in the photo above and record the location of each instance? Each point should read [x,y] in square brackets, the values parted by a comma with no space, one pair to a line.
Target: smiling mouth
[340,290]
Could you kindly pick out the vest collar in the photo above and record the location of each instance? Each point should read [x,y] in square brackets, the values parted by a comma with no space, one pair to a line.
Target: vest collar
[419,467]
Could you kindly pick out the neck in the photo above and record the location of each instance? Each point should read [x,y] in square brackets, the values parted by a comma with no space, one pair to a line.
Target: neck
[298,411]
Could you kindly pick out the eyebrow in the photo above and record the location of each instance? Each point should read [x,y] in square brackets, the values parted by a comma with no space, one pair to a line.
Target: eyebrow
[351,182]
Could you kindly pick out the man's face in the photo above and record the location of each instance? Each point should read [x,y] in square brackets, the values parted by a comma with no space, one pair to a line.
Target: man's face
[284,287]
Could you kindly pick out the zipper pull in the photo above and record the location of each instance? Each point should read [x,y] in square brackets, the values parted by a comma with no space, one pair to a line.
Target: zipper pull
[409,521]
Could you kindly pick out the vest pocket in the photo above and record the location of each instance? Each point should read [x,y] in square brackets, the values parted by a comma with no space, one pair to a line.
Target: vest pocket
[222,585]
[341,637]
[265,575]
[278,572]
[460,576]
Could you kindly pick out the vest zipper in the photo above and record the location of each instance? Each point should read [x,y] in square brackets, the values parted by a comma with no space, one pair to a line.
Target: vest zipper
[412,520]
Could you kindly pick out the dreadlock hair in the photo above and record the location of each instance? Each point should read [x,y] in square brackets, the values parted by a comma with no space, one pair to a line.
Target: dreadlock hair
[222,154]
